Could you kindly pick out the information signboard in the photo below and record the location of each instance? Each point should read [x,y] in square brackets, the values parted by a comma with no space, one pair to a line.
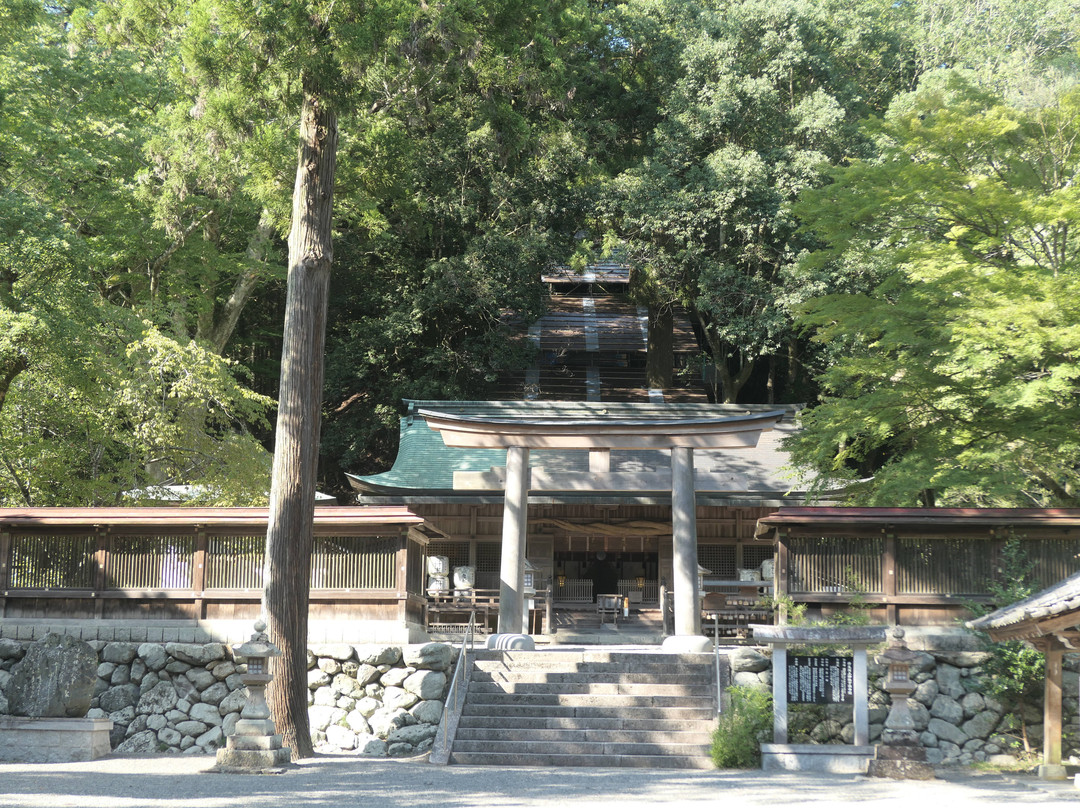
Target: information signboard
[820,680]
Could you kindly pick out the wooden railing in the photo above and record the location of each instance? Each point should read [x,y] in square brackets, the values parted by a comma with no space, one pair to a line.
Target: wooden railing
[195,573]
[574,590]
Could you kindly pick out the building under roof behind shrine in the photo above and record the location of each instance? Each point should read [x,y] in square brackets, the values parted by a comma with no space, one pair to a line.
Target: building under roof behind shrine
[608,525]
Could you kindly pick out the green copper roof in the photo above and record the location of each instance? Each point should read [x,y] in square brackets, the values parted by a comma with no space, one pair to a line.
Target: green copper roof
[425,464]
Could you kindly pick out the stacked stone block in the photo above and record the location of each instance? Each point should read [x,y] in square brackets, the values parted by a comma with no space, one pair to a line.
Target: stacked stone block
[187,697]
[382,701]
[956,723]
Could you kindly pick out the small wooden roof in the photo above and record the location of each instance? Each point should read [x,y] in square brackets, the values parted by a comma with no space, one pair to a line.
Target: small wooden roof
[335,520]
[918,521]
[1052,613]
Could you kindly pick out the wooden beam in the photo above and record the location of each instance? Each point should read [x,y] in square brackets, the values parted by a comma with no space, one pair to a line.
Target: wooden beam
[781,573]
[705,482]
[198,572]
[101,560]
[1052,708]
[1036,627]
[958,601]
[735,432]
[888,579]
[5,569]
[402,580]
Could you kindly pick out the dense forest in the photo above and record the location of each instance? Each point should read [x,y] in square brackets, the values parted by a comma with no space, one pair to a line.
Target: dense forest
[870,206]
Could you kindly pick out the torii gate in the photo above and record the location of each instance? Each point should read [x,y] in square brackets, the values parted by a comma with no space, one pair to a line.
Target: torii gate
[599,436]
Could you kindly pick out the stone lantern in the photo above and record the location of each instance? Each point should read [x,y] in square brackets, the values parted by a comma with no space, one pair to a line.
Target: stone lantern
[255,744]
[899,755]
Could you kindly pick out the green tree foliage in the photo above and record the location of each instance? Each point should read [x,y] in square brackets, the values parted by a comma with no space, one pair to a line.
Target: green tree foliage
[83,328]
[766,94]
[456,189]
[956,370]
[1000,39]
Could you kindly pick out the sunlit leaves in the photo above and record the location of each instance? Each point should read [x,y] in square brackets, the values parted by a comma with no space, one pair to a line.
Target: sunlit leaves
[960,371]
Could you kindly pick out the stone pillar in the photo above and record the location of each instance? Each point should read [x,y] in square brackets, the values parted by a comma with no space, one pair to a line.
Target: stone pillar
[515,524]
[779,693]
[861,709]
[684,539]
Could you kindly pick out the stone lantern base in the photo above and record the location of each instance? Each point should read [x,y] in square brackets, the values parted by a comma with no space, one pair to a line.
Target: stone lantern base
[254,747]
[900,757]
[237,760]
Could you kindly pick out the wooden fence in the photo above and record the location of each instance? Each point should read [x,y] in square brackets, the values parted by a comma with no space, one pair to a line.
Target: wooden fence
[201,564]
[918,566]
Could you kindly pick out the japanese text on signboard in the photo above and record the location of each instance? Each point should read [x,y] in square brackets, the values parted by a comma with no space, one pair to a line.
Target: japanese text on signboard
[820,680]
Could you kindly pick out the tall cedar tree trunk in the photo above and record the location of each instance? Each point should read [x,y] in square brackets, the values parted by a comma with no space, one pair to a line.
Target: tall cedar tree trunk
[296,448]
[660,357]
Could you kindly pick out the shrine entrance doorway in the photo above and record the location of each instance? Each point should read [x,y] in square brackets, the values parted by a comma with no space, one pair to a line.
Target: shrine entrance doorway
[584,569]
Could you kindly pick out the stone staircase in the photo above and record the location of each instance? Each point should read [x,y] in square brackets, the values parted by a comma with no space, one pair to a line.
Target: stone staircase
[583,627]
[588,708]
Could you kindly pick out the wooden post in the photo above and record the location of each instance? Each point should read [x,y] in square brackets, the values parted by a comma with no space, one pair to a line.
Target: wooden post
[198,572]
[888,580]
[101,560]
[780,582]
[5,569]
[549,627]
[1051,768]
[402,581]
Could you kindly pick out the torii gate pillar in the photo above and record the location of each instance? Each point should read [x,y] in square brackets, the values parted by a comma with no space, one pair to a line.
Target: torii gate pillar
[515,528]
[684,540]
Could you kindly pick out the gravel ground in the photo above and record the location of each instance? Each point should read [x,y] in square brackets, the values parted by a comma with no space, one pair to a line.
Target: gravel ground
[342,781]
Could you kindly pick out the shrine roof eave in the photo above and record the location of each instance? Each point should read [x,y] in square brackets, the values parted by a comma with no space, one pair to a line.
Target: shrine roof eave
[733,432]
[1045,613]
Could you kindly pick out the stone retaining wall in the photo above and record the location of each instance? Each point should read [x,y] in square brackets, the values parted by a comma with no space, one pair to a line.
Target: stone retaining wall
[957,723]
[386,700]
[186,697]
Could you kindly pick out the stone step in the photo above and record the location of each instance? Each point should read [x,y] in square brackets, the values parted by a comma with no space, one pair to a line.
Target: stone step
[582,748]
[602,677]
[559,658]
[593,688]
[607,636]
[607,736]
[595,761]
[516,711]
[588,708]
[584,723]
[610,700]
[600,668]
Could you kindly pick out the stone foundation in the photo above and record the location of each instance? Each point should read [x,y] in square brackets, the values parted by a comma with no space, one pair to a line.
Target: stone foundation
[53,740]
[831,758]
[377,700]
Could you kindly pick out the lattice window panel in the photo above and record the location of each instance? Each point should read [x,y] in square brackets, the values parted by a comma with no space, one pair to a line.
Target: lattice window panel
[235,562]
[150,562]
[456,551]
[1053,559]
[354,562]
[488,559]
[754,554]
[53,562]
[943,566]
[719,559]
[835,565]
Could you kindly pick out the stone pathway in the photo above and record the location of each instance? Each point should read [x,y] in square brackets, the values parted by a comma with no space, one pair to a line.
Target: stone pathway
[339,781]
